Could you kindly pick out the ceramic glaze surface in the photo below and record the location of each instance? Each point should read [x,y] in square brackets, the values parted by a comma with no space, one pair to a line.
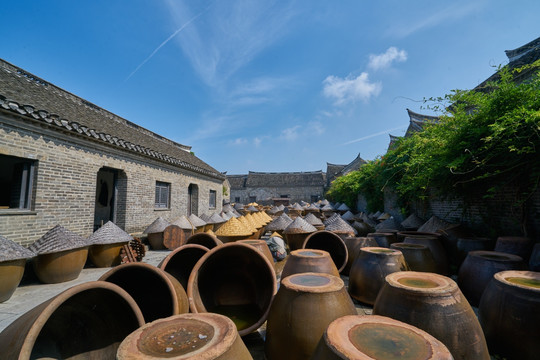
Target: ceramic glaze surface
[310,280]
[418,283]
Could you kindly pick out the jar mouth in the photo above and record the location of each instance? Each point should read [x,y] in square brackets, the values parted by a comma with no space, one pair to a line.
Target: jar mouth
[495,256]
[528,280]
[313,282]
[421,282]
[309,253]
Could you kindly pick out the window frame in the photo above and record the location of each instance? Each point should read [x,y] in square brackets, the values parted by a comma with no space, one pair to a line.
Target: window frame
[162,190]
[212,194]
[26,182]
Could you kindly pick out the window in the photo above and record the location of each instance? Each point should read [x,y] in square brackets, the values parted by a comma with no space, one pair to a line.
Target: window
[284,196]
[252,199]
[162,195]
[237,199]
[314,198]
[16,182]
[212,199]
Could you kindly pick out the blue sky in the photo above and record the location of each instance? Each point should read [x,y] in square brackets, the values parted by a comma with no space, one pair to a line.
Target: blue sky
[266,85]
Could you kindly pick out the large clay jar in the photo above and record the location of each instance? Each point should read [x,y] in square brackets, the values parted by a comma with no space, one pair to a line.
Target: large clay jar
[60,266]
[157,293]
[479,267]
[235,280]
[377,337]
[261,246]
[384,239]
[517,245]
[12,263]
[187,336]
[354,244]
[207,240]
[509,314]
[436,248]
[87,321]
[297,232]
[434,304]
[309,260]
[305,305]
[330,242]
[534,261]
[418,257]
[105,255]
[180,262]
[466,245]
[370,269]
[401,235]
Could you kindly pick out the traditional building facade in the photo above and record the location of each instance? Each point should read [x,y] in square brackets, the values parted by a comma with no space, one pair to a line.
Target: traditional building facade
[265,186]
[67,161]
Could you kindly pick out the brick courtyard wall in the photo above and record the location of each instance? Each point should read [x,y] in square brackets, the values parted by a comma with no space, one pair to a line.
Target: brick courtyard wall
[295,194]
[65,184]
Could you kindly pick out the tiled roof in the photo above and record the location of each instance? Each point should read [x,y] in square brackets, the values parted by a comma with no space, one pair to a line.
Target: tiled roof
[288,179]
[352,166]
[237,181]
[418,121]
[27,95]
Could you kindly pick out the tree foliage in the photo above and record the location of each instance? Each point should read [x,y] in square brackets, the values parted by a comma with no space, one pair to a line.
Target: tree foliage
[483,141]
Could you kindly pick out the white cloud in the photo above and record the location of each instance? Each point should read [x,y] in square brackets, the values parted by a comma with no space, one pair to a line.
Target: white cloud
[350,89]
[316,128]
[259,90]
[382,61]
[238,141]
[290,134]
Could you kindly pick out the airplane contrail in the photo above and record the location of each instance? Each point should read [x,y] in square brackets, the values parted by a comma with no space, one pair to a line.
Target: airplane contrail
[165,42]
[373,135]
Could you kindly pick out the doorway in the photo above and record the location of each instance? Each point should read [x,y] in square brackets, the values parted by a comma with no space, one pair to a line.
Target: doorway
[110,192]
[193,200]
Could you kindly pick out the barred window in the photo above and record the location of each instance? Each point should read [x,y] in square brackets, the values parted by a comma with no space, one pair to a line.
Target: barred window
[162,195]
[16,182]
[212,199]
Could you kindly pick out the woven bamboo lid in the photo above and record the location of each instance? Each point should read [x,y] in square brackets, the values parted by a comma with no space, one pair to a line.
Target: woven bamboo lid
[58,239]
[313,220]
[299,226]
[324,202]
[389,223]
[216,219]
[157,226]
[337,225]
[376,215]
[234,213]
[365,218]
[280,223]
[254,223]
[327,207]
[10,250]
[205,217]
[252,209]
[225,216]
[257,218]
[227,207]
[183,223]
[196,221]
[297,206]
[233,227]
[247,224]
[343,207]
[210,232]
[109,234]
[238,206]
[348,216]
[434,224]
[412,222]
[273,210]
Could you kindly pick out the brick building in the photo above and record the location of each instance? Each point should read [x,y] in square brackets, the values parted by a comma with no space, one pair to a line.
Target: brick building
[67,161]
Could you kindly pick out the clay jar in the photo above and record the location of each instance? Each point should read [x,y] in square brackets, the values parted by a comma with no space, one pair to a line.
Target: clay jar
[207,240]
[377,337]
[370,269]
[466,245]
[479,267]
[354,244]
[509,314]
[235,280]
[261,246]
[309,260]
[180,262]
[303,308]
[187,336]
[11,273]
[435,246]
[105,255]
[418,257]
[434,304]
[517,245]
[60,266]
[384,239]
[87,321]
[157,293]
[330,242]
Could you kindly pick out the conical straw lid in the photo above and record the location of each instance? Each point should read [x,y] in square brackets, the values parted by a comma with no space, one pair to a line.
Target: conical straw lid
[235,213]
[296,206]
[233,227]
[389,223]
[227,207]
[343,207]
[58,239]
[196,221]
[348,216]
[337,225]
[273,210]
[252,209]
[183,223]
[376,215]
[247,224]
[281,207]
[324,202]
[239,206]
[434,224]
[327,207]
[383,216]
[313,220]
[280,223]
[276,234]
[369,220]
[257,218]
[10,250]
[216,219]
[299,226]
[109,234]
[412,222]
[225,215]
[206,218]
[255,224]
[157,226]
[210,232]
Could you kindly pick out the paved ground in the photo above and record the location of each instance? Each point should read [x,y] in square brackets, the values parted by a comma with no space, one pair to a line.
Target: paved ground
[32,293]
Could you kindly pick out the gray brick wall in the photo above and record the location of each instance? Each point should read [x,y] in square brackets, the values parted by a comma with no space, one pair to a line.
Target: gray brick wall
[65,185]
[296,193]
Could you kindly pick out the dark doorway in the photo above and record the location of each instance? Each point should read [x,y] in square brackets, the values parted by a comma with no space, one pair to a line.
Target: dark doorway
[110,194]
[193,199]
